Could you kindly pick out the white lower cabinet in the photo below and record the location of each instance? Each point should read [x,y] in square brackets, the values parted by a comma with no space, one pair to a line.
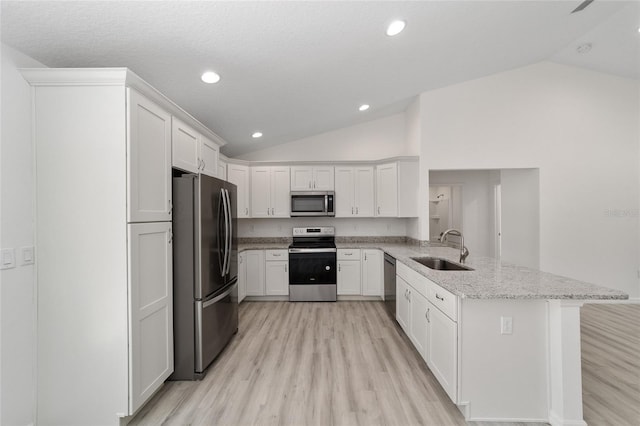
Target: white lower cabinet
[254,263]
[442,350]
[242,276]
[348,272]
[428,315]
[151,309]
[372,273]
[276,267]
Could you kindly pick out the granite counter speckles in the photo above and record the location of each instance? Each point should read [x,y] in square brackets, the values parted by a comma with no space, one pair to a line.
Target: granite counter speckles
[490,279]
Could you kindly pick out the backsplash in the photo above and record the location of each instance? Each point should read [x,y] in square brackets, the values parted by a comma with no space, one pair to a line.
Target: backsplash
[361,227]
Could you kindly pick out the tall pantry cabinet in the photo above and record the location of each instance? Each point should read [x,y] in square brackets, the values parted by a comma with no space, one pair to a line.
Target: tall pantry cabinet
[102,140]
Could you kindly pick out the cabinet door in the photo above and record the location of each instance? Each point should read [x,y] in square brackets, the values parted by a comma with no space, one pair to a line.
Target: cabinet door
[301,178]
[280,192]
[185,147]
[364,191]
[150,310]
[418,328]
[442,348]
[255,272]
[402,303]
[242,277]
[239,176]
[260,192]
[387,190]
[372,273]
[222,170]
[208,157]
[348,277]
[277,278]
[323,178]
[149,161]
[344,205]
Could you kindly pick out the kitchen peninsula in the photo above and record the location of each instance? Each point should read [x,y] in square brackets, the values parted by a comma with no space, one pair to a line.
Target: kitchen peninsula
[502,340]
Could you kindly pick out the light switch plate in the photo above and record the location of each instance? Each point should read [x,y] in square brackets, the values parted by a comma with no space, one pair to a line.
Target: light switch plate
[28,257]
[506,325]
[7,258]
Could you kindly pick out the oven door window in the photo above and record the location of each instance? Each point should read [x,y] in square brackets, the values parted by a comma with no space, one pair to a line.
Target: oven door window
[312,268]
[308,203]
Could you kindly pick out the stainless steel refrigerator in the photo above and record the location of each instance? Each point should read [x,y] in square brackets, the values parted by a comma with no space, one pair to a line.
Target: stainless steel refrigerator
[205,265]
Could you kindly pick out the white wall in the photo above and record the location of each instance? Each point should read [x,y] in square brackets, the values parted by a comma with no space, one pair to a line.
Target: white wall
[373,140]
[520,217]
[413,140]
[17,288]
[345,227]
[580,128]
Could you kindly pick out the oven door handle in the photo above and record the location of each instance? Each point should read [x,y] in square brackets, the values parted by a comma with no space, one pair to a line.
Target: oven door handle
[312,250]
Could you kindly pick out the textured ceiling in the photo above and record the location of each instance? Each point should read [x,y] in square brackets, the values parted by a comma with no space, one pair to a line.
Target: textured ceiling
[295,69]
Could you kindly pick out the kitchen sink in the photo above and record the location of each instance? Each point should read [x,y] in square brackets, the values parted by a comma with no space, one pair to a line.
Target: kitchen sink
[440,264]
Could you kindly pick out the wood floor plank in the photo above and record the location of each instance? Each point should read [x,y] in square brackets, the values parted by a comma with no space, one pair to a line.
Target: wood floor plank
[348,363]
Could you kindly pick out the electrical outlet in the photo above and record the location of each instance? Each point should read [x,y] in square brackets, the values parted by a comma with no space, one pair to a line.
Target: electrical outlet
[27,255]
[7,258]
[506,325]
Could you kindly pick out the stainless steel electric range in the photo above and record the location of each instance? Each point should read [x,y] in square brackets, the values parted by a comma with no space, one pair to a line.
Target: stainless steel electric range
[312,265]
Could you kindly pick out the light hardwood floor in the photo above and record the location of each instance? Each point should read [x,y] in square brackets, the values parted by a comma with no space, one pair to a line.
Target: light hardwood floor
[611,364]
[344,363]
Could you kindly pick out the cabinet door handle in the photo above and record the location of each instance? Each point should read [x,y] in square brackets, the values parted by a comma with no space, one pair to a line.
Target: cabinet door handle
[204,165]
[356,210]
[439,298]
[268,211]
[170,236]
[276,254]
[272,214]
[378,209]
[426,314]
[246,211]
[170,205]
[365,257]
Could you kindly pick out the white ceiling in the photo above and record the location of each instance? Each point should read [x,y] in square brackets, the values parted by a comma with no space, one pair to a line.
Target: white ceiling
[296,69]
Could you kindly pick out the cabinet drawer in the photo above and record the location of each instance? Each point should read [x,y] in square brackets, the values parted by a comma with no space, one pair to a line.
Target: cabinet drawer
[349,254]
[443,300]
[276,255]
[417,281]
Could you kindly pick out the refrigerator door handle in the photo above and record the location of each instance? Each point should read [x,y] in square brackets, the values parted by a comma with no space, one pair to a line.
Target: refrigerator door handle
[226,230]
[222,256]
[230,231]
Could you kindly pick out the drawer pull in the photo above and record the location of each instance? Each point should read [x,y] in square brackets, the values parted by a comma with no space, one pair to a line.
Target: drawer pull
[439,298]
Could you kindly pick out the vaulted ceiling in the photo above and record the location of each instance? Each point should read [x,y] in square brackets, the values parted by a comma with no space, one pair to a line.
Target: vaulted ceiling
[294,69]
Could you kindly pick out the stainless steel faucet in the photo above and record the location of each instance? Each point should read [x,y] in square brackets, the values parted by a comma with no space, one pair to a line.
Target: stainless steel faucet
[464,252]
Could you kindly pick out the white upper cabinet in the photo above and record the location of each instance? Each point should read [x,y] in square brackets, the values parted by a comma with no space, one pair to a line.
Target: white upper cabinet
[354,191]
[191,151]
[222,170]
[209,152]
[239,176]
[397,189]
[149,160]
[185,147]
[270,193]
[317,178]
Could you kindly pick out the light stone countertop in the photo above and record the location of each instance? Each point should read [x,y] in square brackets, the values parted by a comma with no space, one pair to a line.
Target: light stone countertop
[490,279]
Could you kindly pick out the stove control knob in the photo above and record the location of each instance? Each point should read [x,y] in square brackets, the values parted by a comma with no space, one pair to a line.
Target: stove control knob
[327,267]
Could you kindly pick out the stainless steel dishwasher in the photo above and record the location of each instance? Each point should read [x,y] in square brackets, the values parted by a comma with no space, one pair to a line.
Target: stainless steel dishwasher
[390,284]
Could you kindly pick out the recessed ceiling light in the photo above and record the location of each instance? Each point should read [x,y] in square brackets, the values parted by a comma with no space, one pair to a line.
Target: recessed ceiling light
[256,135]
[395,28]
[210,77]
[364,107]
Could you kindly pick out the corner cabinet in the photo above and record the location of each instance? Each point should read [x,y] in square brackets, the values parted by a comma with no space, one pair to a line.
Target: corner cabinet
[397,189]
[102,144]
[239,176]
[270,193]
[193,152]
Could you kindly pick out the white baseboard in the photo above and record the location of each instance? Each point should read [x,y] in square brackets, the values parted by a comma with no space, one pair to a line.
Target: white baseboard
[556,420]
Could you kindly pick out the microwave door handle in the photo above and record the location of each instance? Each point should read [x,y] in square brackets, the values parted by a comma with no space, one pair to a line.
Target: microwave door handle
[326,204]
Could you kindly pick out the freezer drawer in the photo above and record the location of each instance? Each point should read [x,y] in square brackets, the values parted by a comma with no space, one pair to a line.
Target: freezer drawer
[216,323]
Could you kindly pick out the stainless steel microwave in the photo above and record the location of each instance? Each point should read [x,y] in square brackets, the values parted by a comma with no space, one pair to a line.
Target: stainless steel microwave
[312,203]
